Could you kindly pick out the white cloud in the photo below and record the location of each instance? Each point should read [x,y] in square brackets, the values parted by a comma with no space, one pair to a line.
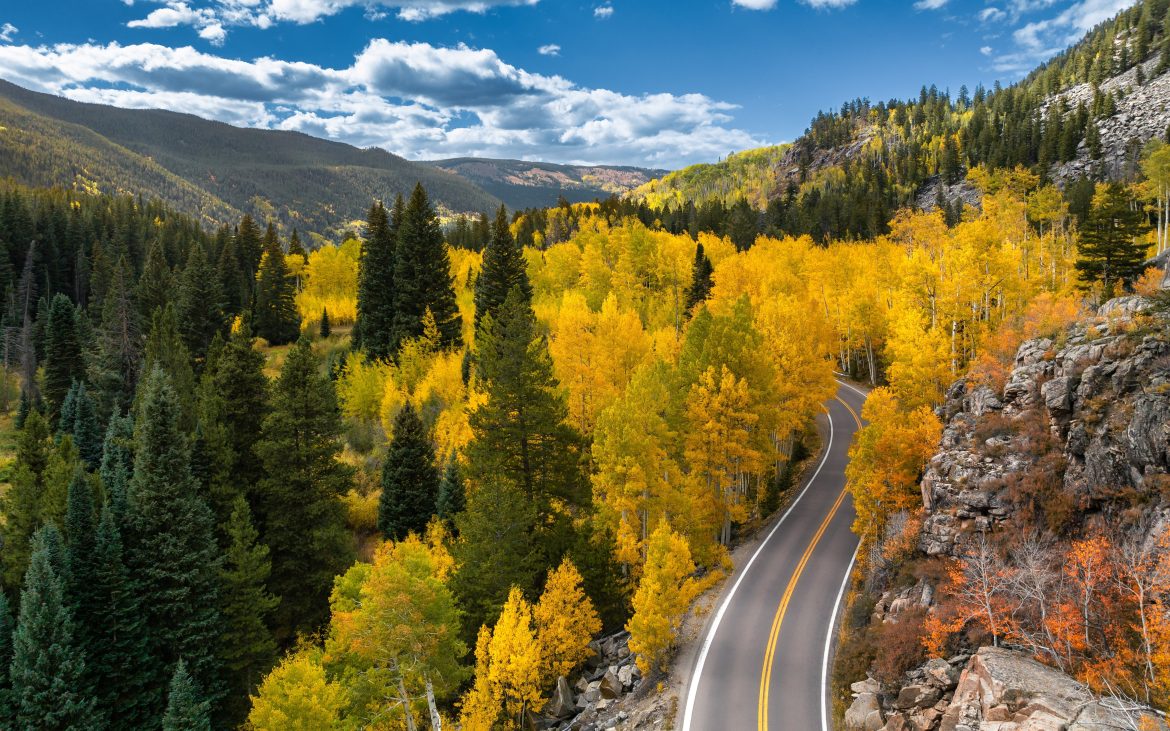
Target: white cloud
[414,99]
[930,4]
[828,4]
[986,50]
[179,13]
[7,31]
[550,49]
[991,15]
[755,4]
[603,11]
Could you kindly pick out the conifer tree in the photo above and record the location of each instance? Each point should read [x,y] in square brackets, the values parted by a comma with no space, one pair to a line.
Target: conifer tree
[276,316]
[422,277]
[296,246]
[6,627]
[375,320]
[503,268]
[410,481]
[80,529]
[701,279]
[156,286]
[165,349]
[246,646]
[117,462]
[83,425]
[452,498]
[117,363]
[326,328]
[519,435]
[186,709]
[23,501]
[119,666]
[63,358]
[298,507]
[198,303]
[249,246]
[48,664]
[1109,251]
[170,546]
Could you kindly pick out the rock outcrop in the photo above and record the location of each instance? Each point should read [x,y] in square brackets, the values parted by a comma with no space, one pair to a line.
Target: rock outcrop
[1096,404]
[609,675]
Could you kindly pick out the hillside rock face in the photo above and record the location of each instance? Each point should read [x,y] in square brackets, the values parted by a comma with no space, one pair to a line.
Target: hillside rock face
[1094,408]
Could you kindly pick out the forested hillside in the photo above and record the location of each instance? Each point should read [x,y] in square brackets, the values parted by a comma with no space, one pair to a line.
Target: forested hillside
[856,166]
[525,184]
[209,169]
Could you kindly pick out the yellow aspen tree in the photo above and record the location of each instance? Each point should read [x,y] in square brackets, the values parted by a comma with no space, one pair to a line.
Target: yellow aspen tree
[565,623]
[514,670]
[296,696]
[663,596]
[480,706]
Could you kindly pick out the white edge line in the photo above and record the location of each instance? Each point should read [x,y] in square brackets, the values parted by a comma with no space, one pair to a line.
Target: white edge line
[829,642]
[692,690]
[849,386]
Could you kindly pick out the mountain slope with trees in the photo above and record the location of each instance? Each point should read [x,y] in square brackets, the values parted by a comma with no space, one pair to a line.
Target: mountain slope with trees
[525,184]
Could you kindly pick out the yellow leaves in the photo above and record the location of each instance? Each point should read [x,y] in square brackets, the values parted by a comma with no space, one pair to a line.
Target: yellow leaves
[480,706]
[296,696]
[360,388]
[664,594]
[514,672]
[329,280]
[920,360]
[565,621]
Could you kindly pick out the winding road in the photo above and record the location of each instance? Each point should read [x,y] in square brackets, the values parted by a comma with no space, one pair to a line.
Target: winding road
[764,659]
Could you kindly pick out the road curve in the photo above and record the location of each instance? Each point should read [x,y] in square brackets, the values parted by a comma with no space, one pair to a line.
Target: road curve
[763,661]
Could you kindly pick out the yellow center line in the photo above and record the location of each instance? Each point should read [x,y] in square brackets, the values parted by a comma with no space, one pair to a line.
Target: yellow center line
[774,635]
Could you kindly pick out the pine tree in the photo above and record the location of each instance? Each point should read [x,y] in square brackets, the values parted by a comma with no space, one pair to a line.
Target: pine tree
[295,246]
[170,544]
[48,664]
[80,529]
[277,319]
[118,359]
[1109,251]
[165,349]
[120,669]
[701,279]
[6,627]
[83,425]
[298,507]
[246,646]
[249,246]
[117,462]
[495,552]
[410,481]
[186,709]
[23,507]
[156,286]
[422,277]
[503,268]
[375,321]
[63,359]
[519,435]
[452,498]
[326,328]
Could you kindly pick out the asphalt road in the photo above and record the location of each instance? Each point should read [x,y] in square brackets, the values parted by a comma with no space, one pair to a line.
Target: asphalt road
[763,661]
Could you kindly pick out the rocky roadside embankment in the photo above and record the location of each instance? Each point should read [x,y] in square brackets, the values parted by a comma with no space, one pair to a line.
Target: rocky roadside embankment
[1095,408]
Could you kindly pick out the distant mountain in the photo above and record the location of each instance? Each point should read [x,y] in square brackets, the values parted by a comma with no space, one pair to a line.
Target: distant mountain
[210,169]
[521,184]
[749,175]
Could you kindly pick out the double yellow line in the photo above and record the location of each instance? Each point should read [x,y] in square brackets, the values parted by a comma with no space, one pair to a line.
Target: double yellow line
[774,635]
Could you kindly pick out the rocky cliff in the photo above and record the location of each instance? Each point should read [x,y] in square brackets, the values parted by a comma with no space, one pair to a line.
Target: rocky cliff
[1078,432]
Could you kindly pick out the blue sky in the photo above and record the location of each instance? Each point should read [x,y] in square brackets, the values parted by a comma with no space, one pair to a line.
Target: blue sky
[640,82]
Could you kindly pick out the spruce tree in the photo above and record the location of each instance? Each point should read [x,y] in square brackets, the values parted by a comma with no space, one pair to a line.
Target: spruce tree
[296,247]
[80,529]
[375,320]
[410,481]
[249,246]
[117,462]
[452,496]
[166,350]
[23,501]
[503,268]
[1109,251]
[48,664]
[170,543]
[83,425]
[519,435]
[276,317]
[117,363]
[199,303]
[186,709]
[298,508]
[247,649]
[121,670]
[422,279]
[6,627]
[63,359]
[156,286]
[326,328]
[701,279]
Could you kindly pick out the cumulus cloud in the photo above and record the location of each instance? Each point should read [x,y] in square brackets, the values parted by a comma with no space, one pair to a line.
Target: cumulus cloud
[986,50]
[7,31]
[414,99]
[603,11]
[755,4]
[212,18]
[550,49]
